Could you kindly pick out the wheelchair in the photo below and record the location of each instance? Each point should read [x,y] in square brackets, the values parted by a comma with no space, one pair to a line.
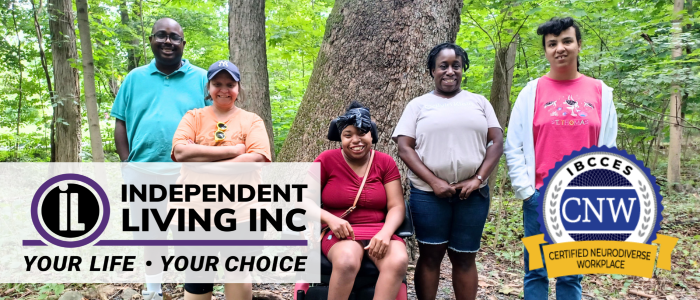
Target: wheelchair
[365,280]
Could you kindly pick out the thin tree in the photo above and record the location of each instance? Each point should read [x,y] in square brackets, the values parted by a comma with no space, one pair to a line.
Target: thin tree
[67,94]
[505,43]
[21,75]
[98,154]
[44,65]
[133,58]
[247,49]
[675,118]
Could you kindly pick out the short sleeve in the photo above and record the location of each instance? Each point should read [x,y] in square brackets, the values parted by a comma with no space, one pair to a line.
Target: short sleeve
[322,159]
[391,171]
[491,119]
[185,132]
[122,100]
[407,123]
[257,140]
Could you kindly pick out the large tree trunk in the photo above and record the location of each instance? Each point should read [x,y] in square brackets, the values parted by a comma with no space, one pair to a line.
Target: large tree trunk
[504,64]
[67,94]
[247,49]
[98,154]
[676,127]
[373,52]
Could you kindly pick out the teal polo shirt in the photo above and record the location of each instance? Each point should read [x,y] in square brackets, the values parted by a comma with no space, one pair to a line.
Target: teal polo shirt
[152,105]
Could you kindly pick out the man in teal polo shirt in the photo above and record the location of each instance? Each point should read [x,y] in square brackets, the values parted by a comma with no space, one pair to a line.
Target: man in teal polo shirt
[148,108]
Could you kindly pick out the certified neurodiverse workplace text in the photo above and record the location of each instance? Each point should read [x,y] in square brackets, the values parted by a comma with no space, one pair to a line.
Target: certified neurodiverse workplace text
[600,210]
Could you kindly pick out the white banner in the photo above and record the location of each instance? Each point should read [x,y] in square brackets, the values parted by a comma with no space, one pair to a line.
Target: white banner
[110,222]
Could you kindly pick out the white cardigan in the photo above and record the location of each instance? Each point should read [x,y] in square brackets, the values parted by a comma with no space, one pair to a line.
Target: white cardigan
[520,145]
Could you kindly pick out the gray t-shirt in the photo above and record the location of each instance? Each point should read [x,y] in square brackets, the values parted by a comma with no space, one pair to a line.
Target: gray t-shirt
[450,134]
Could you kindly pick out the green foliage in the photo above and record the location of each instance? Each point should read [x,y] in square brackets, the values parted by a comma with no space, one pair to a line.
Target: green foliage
[294,34]
[27,147]
[613,50]
[49,288]
[641,71]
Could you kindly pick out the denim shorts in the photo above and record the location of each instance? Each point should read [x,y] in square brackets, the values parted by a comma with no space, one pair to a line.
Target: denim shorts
[459,223]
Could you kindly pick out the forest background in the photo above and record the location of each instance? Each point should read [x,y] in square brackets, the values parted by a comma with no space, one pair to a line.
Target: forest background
[647,50]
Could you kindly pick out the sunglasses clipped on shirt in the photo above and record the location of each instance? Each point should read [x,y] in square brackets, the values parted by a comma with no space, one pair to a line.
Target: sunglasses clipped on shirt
[220,135]
[161,37]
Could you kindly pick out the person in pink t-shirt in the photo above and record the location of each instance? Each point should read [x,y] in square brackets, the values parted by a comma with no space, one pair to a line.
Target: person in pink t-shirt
[561,112]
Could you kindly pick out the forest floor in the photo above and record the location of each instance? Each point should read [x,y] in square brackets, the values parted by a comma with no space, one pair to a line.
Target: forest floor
[500,268]
[500,278]
[500,261]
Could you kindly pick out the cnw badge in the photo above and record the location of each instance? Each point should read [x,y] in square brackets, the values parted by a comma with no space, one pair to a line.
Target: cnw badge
[600,209]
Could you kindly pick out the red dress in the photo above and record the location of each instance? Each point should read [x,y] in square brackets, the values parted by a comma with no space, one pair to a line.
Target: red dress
[339,185]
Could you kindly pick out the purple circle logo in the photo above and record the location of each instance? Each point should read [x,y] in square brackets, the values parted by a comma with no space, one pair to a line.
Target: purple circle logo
[70,210]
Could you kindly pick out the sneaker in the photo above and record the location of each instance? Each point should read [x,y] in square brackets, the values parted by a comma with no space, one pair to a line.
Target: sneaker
[150,295]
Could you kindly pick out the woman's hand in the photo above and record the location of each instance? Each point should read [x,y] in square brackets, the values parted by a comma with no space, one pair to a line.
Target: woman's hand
[340,228]
[379,245]
[467,187]
[442,189]
[238,149]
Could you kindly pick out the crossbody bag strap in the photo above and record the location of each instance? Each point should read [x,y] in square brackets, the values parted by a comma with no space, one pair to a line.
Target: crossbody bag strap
[359,192]
[362,185]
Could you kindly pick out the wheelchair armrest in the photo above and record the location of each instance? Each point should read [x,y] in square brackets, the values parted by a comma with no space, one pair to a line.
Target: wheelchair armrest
[406,228]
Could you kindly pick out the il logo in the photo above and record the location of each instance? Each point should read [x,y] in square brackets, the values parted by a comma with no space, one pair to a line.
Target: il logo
[223,63]
[64,204]
[70,210]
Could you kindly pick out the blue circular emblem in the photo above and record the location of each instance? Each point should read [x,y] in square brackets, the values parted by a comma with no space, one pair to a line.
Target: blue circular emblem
[600,194]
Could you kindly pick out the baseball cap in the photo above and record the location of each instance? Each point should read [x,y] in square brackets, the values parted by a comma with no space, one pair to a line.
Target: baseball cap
[218,66]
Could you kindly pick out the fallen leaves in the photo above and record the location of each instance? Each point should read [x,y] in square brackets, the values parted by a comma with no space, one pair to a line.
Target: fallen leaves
[511,289]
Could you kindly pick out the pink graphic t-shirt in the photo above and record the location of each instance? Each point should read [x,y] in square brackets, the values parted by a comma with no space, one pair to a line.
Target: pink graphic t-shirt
[567,118]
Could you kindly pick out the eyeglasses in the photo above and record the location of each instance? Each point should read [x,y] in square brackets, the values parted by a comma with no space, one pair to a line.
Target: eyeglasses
[219,135]
[161,37]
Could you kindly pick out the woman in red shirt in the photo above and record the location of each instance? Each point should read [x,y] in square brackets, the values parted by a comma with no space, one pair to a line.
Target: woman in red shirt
[379,212]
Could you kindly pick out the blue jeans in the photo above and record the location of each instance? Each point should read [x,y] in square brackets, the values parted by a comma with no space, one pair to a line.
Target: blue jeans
[460,223]
[536,283]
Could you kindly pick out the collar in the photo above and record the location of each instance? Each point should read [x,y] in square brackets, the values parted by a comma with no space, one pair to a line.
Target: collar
[183,68]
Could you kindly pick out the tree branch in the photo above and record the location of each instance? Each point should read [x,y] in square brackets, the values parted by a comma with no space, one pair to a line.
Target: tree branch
[527,69]
[596,33]
[482,29]
[685,122]
[518,31]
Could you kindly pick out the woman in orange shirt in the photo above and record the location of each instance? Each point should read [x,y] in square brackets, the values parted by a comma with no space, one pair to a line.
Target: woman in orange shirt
[221,132]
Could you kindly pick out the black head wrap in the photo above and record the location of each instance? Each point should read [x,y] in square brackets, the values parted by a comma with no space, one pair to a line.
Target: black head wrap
[358,117]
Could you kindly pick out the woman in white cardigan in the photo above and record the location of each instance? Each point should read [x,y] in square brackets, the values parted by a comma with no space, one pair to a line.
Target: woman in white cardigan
[561,112]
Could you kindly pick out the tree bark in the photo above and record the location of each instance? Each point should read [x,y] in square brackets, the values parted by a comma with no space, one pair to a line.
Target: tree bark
[98,154]
[67,94]
[676,127]
[373,52]
[504,65]
[247,49]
